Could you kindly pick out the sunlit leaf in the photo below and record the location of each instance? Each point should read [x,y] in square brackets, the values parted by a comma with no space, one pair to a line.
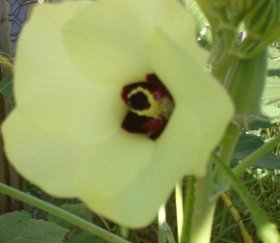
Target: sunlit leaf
[246,145]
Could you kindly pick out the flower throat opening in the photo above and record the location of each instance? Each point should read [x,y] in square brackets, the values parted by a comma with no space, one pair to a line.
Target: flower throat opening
[150,106]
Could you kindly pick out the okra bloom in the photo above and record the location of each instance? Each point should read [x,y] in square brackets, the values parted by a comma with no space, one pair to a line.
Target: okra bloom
[113,104]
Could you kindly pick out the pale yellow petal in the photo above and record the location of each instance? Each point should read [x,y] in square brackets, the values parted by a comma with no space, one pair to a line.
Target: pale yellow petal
[46,161]
[106,40]
[51,91]
[200,95]
[68,169]
[113,165]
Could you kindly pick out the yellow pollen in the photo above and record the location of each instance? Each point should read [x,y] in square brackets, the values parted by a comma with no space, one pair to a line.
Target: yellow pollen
[157,108]
[153,110]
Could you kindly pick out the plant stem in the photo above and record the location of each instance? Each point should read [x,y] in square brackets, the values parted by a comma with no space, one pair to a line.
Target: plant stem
[226,151]
[164,232]
[179,208]
[257,154]
[204,208]
[188,210]
[161,221]
[229,143]
[237,218]
[266,230]
[61,213]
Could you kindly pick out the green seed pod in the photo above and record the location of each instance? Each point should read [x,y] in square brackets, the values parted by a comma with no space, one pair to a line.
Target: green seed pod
[246,83]
[234,17]
[240,5]
[218,3]
[262,19]
[236,10]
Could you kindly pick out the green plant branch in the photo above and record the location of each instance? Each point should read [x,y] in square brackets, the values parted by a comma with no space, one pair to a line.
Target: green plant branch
[237,218]
[229,142]
[61,213]
[226,151]
[257,154]
[266,230]
[246,163]
[188,210]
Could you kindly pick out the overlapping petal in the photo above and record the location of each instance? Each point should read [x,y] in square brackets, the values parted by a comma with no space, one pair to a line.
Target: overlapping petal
[46,80]
[203,108]
[36,154]
[186,143]
[113,28]
[65,133]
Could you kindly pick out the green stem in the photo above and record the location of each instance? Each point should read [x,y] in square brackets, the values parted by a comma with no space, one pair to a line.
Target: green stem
[61,213]
[204,208]
[161,221]
[179,208]
[257,154]
[226,151]
[124,231]
[266,230]
[164,231]
[229,143]
[188,210]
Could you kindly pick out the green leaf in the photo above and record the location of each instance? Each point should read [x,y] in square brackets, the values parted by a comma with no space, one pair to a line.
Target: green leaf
[249,143]
[78,209]
[259,124]
[19,227]
[85,237]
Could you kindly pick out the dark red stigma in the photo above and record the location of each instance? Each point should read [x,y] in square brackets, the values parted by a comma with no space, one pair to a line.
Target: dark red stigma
[142,124]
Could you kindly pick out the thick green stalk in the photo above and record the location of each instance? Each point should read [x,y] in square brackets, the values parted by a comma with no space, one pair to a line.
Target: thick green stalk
[221,58]
[61,213]
[226,151]
[266,230]
[204,208]
[229,142]
[188,210]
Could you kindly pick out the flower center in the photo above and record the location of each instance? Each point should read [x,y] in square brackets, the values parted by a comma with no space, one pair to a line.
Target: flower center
[150,106]
[139,99]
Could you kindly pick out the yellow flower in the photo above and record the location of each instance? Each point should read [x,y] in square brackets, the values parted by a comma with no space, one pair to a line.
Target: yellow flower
[74,69]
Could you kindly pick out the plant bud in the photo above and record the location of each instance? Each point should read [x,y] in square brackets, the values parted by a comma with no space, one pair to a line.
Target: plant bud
[218,3]
[240,5]
[236,10]
[246,83]
[262,19]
